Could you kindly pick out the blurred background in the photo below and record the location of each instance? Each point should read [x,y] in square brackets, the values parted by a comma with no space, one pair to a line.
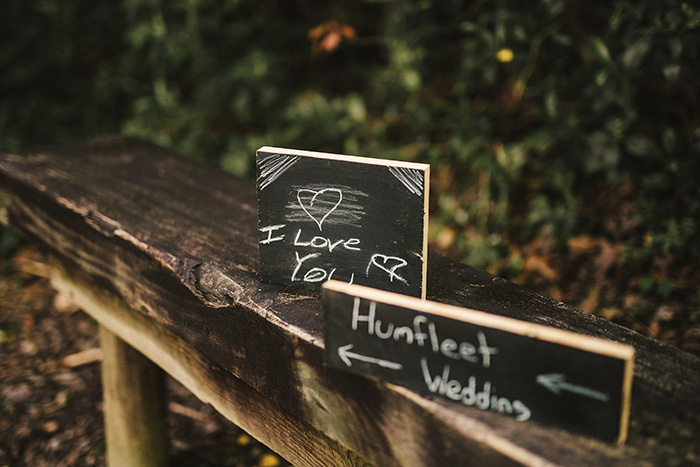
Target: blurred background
[563,136]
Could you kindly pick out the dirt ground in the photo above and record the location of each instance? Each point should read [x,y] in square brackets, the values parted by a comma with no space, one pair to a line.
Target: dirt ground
[51,394]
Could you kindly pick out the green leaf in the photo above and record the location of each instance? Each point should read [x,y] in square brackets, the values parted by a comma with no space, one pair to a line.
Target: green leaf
[640,145]
[599,49]
[635,53]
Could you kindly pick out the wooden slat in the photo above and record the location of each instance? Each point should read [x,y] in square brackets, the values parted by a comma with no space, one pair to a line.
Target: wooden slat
[176,244]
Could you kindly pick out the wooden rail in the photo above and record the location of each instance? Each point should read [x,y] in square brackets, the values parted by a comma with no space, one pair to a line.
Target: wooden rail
[163,253]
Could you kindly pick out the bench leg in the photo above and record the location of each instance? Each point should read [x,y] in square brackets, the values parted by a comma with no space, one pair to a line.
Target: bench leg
[135,405]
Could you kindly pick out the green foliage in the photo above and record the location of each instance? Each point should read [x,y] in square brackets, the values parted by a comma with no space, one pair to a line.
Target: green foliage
[59,77]
[525,110]
[588,95]
[9,241]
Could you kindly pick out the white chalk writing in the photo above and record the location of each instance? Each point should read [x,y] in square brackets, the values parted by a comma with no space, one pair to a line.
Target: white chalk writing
[347,356]
[468,394]
[556,382]
[323,242]
[422,336]
[316,252]
[423,332]
[269,229]
[388,264]
[272,167]
[412,179]
[318,205]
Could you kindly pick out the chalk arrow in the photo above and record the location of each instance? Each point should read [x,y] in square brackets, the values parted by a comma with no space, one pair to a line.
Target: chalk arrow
[556,382]
[345,355]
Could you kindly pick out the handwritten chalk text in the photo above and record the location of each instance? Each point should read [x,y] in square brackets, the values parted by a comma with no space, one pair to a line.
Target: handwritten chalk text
[423,332]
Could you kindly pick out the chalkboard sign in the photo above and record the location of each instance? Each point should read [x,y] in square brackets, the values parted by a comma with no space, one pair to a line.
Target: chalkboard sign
[523,370]
[354,219]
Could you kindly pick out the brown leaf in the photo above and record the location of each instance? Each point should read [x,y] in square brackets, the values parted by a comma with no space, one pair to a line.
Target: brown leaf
[316,33]
[581,244]
[327,37]
[654,328]
[28,323]
[331,41]
[348,32]
[540,265]
[611,313]
[592,300]
[63,304]
[609,255]
[51,426]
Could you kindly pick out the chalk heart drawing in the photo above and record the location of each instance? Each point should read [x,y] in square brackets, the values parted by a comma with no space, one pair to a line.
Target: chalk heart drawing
[318,205]
[388,264]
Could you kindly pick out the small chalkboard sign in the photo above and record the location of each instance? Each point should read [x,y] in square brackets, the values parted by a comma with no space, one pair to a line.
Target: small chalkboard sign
[523,370]
[354,219]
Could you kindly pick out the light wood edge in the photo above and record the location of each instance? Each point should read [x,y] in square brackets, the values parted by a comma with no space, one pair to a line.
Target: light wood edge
[626,400]
[345,158]
[481,318]
[591,344]
[296,441]
[426,215]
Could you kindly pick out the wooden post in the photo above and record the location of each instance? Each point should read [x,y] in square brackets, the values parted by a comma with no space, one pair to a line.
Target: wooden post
[135,405]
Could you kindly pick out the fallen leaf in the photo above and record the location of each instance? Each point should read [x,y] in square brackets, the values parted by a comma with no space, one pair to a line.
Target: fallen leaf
[51,426]
[581,244]
[63,304]
[326,37]
[611,313]
[540,265]
[664,313]
[654,329]
[27,347]
[592,300]
[331,41]
[608,255]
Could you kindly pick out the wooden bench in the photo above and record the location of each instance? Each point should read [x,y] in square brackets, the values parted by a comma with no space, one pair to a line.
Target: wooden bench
[163,253]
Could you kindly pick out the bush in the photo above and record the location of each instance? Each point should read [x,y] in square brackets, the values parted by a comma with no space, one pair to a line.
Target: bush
[542,119]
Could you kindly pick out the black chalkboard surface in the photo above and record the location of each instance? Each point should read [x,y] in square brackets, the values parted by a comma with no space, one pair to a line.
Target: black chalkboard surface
[523,370]
[354,219]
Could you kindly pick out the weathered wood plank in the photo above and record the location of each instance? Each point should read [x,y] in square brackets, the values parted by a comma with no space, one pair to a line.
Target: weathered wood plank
[177,243]
[296,441]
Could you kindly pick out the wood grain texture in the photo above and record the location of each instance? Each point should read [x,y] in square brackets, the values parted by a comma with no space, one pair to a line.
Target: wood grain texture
[247,408]
[176,242]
